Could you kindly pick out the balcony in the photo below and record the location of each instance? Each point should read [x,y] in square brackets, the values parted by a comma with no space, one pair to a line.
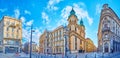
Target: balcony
[12,42]
[105,29]
[12,25]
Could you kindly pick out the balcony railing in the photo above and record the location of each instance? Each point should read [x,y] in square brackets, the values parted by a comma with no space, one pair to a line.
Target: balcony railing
[106,29]
[12,44]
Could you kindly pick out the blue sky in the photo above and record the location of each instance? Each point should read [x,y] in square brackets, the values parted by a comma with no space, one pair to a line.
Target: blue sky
[53,13]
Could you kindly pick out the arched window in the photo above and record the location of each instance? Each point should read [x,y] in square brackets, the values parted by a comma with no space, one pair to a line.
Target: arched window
[75,29]
[72,27]
[106,47]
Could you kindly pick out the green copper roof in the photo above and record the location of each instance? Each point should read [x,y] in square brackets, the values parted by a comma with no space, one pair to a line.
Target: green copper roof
[72,12]
[81,23]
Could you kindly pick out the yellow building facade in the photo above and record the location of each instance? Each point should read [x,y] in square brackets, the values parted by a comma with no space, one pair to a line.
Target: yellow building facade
[90,47]
[10,35]
[64,38]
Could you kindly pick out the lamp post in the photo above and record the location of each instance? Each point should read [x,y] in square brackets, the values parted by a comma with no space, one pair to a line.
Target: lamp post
[31,41]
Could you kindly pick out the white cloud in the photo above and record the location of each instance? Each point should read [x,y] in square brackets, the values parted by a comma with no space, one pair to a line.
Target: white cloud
[46,18]
[17,13]
[49,27]
[27,12]
[3,10]
[35,35]
[51,4]
[64,14]
[98,8]
[80,12]
[26,32]
[23,19]
[80,4]
[26,23]
[29,23]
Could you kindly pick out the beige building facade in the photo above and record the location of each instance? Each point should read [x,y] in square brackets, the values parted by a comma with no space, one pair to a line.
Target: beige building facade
[10,35]
[109,31]
[64,38]
[52,42]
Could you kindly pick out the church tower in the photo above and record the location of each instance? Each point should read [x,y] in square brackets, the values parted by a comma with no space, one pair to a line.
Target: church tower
[82,27]
[72,19]
[76,33]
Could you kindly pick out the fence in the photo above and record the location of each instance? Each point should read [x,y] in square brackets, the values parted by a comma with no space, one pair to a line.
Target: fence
[78,55]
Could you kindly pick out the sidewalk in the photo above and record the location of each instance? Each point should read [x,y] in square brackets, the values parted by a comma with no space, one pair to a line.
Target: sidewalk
[6,55]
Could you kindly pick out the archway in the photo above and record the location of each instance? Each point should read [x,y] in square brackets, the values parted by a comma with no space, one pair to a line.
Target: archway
[106,47]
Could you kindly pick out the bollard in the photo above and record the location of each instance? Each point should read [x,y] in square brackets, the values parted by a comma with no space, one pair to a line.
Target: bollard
[86,56]
[41,56]
[103,55]
[95,55]
[76,55]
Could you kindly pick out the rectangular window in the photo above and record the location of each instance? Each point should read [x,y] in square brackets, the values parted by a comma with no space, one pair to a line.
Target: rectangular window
[7,35]
[0,42]
[58,38]
[60,50]
[60,33]
[12,35]
[12,29]
[17,37]
[75,43]
[7,29]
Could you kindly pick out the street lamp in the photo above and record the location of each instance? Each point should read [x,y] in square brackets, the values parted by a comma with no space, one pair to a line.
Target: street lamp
[31,41]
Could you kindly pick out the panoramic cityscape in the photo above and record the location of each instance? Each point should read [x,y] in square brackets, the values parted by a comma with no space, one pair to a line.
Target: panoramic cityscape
[59,29]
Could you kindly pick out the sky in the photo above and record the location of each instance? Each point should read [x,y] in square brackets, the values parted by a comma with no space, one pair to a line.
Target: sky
[49,14]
